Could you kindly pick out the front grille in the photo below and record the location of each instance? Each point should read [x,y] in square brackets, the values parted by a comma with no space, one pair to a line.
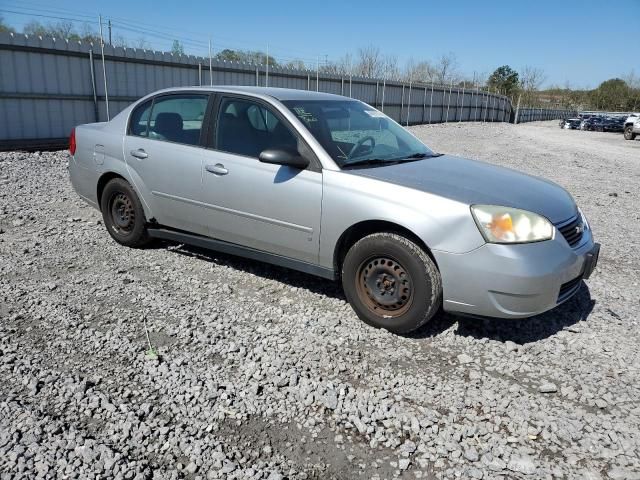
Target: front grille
[569,288]
[572,231]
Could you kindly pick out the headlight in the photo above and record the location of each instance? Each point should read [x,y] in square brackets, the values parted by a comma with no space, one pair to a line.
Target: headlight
[511,225]
[584,219]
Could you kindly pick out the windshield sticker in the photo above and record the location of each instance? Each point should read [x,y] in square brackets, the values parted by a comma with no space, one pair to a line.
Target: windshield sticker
[304,115]
[375,113]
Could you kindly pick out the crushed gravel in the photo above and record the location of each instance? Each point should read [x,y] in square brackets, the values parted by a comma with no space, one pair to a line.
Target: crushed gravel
[265,373]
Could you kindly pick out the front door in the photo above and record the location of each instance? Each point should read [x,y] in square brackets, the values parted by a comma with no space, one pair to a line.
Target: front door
[268,207]
[163,148]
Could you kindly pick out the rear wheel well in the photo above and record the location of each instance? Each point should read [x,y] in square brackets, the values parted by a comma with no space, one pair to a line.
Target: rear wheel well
[362,229]
[102,182]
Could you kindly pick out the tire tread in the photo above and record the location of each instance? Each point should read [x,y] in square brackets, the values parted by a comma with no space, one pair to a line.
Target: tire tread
[430,271]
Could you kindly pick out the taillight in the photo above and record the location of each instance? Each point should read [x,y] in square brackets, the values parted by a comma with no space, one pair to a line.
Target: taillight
[72,142]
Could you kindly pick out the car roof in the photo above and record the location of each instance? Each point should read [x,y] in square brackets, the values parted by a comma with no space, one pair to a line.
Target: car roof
[277,93]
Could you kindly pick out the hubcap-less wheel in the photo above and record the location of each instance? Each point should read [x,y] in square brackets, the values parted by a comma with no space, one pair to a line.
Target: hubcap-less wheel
[123,213]
[391,282]
[384,286]
[628,133]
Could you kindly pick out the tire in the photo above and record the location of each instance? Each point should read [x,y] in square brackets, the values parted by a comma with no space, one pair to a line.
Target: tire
[123,214]
[628,133]
[372,272]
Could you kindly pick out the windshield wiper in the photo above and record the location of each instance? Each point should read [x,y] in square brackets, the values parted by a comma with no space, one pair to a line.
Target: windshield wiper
[371,161]
[390,161]
[418,156]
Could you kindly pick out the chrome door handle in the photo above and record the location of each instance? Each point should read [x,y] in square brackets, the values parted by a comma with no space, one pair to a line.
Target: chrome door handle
[218,169]
[140,153]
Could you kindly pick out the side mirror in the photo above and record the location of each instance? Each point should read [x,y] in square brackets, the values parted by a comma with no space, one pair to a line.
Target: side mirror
[290,158]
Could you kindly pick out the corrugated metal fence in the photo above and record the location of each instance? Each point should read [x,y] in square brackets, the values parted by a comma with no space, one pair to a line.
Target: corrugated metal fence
[528,114]
[49,85]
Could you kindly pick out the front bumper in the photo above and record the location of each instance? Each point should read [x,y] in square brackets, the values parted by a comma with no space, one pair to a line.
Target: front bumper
[515,281]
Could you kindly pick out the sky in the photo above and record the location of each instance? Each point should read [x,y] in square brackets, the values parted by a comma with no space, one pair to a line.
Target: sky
[579,42]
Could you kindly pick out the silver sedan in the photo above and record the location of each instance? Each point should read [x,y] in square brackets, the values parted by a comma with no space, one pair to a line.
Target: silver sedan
[333,187]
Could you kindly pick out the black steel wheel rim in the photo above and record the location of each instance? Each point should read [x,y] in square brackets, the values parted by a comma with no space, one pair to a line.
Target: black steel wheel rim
[384,286]
[123,214]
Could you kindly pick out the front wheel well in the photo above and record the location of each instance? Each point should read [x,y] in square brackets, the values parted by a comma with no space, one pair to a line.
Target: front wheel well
[102,182]
[360,230]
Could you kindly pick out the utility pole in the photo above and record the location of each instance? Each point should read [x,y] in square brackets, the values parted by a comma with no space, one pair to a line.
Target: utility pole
[266,74]
[109,26]
[104,70]
[210,63]
[350,77]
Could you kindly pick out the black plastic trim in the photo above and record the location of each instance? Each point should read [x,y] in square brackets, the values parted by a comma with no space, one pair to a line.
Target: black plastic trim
[241,251]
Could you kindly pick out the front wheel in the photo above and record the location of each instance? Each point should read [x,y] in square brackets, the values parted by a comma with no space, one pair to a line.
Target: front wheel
[391,282]
[628,133]
[123,214]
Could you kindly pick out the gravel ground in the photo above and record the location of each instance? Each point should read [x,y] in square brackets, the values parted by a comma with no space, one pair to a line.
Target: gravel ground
[267,373]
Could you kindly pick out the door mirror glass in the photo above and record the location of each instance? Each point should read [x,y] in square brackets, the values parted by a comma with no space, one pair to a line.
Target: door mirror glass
[288,157]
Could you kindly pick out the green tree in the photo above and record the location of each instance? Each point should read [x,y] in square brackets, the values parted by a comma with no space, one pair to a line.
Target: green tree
[229,55]
[612,94]
[4,28]
[247,56]
[505,79]
[177,48]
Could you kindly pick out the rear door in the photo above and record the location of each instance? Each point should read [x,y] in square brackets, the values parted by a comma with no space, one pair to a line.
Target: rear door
[163,147]
[272,208]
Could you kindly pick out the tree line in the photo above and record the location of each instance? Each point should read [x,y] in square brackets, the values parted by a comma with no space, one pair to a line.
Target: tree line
[524,85]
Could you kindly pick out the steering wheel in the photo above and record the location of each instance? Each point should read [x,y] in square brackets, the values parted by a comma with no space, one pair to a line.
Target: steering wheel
[360,143]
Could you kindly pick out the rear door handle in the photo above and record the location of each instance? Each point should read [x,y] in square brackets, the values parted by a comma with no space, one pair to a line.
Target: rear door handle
[140,153]
[217,169]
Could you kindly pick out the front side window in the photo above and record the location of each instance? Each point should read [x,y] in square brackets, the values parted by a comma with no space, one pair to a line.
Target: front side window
[354,133]
[178,118]
[247,128]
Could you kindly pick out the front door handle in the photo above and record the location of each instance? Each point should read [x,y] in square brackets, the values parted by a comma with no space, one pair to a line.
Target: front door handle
[217,169]
[140,153]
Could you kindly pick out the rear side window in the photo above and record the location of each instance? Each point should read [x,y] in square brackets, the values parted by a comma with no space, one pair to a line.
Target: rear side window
[140,120]
[178,118]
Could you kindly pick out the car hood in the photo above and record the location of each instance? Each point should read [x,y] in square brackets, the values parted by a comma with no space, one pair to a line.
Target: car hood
[474,182]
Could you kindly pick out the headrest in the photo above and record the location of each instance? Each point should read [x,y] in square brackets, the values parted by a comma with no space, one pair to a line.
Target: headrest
[168,122]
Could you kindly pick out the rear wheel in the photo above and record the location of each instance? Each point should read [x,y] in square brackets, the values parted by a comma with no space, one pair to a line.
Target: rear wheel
[123,214]
[391,282]
[628,133]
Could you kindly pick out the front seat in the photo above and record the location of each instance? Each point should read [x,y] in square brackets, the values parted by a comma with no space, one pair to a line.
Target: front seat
[170,126]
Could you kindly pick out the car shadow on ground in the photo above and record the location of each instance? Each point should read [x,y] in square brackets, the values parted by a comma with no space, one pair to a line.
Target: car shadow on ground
[532,329]
[291,278]
[520,331]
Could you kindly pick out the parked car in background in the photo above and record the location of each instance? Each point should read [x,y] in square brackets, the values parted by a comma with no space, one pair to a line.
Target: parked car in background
[632,126]
[584,123]
[333,187]
[613,124]
[570,123]
[593,124]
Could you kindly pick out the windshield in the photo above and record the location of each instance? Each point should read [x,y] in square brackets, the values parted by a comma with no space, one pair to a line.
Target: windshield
[354,133]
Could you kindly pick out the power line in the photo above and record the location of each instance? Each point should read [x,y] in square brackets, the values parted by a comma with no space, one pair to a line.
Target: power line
[143,28]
